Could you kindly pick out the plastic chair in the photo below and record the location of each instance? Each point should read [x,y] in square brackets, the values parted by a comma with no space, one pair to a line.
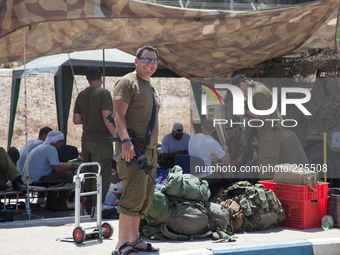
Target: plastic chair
[67,152]
[187,162]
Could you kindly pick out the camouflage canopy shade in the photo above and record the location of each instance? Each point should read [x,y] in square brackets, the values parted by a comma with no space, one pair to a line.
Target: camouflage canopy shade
[192,43]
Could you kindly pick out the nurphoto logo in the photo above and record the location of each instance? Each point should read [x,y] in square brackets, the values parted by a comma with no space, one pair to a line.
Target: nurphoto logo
[239,103]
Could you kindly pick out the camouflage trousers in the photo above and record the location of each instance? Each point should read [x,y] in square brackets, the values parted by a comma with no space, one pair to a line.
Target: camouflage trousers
[7,168]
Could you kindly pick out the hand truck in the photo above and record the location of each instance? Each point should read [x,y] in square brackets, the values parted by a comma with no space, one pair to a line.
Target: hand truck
[104,230]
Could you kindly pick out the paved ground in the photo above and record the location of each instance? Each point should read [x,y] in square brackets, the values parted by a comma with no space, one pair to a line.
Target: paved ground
[41,237]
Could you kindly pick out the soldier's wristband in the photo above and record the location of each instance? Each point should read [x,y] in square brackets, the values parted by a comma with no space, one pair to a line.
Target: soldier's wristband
[126,140]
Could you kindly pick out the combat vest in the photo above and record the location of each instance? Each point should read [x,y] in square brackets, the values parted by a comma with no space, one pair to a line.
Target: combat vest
[260,206]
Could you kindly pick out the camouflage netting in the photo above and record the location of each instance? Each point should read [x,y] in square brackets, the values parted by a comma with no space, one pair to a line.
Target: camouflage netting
[324,104]
[192,43]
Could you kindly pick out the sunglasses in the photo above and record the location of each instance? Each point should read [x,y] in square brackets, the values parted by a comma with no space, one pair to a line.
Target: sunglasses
[146,60]
[229,129]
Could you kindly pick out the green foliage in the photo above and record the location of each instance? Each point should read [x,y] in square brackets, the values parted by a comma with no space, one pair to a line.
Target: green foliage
[265,7]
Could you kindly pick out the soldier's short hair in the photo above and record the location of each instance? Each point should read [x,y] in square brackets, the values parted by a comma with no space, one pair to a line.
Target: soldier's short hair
[44,131]
[208,124]
[146,47]
[93,73]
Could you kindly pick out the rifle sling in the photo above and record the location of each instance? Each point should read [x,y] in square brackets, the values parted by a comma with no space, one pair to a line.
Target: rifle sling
[151,123]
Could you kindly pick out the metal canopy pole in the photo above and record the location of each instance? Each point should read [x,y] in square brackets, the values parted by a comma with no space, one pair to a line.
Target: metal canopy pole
[104,68]
[27,198]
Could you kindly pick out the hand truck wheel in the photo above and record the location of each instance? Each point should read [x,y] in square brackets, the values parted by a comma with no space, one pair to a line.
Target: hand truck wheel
[79,235]
[109,230]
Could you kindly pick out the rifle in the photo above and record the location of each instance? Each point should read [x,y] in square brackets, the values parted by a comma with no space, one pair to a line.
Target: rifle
[139,159]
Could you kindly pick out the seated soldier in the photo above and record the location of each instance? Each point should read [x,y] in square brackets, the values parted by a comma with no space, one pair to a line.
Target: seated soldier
[204,146]
[31,144]
[8,171]
[173,144]
[44,165]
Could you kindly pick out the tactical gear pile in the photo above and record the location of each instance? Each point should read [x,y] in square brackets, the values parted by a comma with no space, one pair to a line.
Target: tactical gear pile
[260,207]
[181,211]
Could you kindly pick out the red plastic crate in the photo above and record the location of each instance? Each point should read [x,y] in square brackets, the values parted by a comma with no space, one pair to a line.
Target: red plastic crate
[297,192]
[304,207]
[304,214]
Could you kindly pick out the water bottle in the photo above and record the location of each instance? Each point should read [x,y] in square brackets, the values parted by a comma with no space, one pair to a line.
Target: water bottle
[327,222]
[28,207]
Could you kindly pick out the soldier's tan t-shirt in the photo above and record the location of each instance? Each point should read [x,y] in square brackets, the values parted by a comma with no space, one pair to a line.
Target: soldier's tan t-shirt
[137,93]
[90,103]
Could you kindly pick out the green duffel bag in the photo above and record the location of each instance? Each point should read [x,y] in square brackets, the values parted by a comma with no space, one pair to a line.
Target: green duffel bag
[159,206]
[186,186]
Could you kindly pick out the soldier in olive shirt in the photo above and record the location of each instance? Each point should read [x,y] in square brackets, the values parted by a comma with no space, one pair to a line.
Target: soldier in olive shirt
[269,135]
[133,104]
[91,108]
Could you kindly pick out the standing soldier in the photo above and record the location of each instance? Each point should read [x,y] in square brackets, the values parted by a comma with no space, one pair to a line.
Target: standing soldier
[92,106]
[269,134]
[133,101]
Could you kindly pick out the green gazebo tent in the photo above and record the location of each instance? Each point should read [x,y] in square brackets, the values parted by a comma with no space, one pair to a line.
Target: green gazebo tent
[117,63]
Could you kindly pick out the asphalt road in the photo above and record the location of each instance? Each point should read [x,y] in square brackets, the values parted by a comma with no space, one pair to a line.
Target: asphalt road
[44,236]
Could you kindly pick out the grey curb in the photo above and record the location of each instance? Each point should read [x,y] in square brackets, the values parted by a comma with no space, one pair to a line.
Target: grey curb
[329,246]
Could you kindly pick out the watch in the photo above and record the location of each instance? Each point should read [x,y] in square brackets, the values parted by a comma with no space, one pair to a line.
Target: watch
[126,140]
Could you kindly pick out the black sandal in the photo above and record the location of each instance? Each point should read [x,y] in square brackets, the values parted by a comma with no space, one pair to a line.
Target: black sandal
[122,247]
[148,246]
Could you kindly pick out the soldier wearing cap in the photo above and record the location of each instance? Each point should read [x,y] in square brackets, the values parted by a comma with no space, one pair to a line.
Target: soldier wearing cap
[173,144]
[92,106]
[269,135]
